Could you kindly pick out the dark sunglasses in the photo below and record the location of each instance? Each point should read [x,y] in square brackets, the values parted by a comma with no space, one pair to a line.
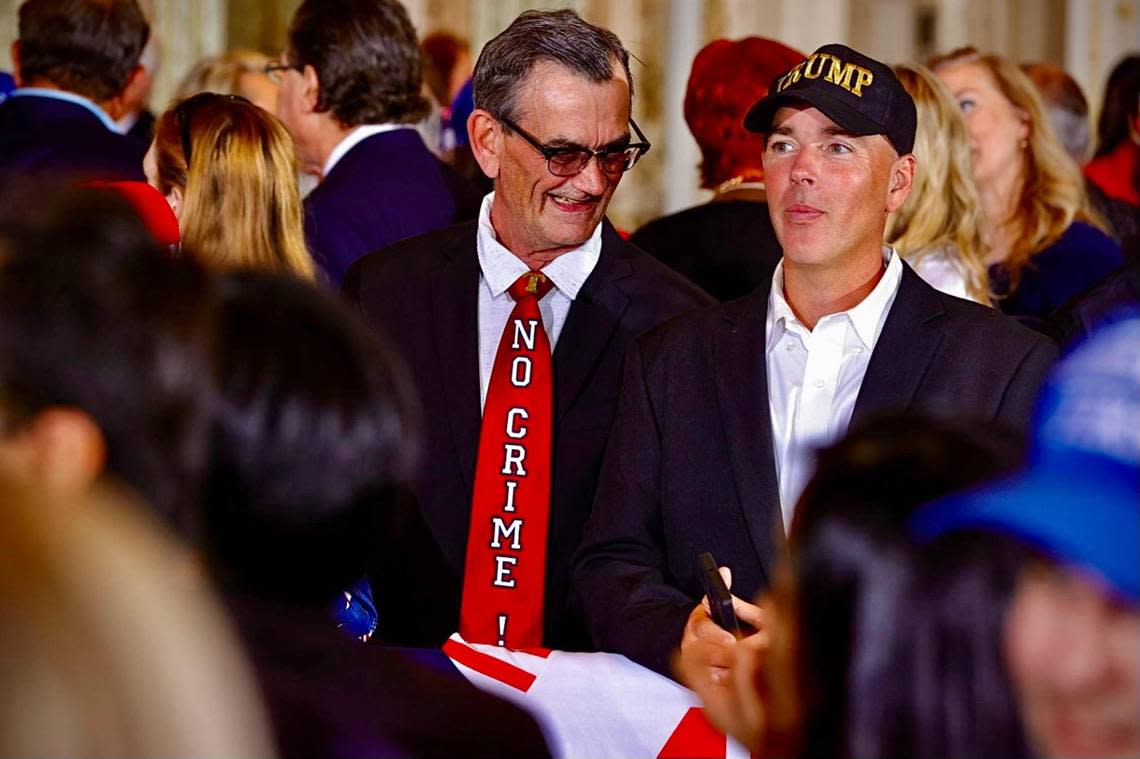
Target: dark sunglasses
[568,161]
[185,113]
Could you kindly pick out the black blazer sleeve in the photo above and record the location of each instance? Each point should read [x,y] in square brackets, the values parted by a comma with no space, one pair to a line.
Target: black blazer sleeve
[621,573]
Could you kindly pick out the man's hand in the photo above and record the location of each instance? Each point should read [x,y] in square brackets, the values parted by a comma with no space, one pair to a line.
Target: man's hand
[712,662]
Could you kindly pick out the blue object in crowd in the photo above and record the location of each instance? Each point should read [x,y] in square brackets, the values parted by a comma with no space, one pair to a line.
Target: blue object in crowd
[1079,498]
[355,613]
[7,84]
[461,108]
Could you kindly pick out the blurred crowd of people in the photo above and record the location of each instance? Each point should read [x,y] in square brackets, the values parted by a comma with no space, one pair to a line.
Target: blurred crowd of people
[337,358]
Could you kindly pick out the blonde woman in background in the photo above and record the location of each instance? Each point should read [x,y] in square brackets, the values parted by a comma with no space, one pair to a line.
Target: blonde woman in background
[1045,244]
[229,171]
[938,228]
[238,72]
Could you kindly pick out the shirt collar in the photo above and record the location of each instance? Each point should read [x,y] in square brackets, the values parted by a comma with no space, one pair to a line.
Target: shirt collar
[501,268]
[866,317]
[68,97]
[356,136]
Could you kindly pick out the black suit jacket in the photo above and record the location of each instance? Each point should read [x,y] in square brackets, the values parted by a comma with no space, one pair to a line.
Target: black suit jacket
[727,247]
[41,136]
[690,465]
[423,294]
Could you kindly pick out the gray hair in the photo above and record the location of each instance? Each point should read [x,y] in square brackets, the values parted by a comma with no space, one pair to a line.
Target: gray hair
[561,36]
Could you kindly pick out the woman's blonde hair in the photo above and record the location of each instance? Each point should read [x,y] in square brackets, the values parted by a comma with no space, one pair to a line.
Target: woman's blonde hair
[222,73]
[241,207]
[1052,194]
[943,211]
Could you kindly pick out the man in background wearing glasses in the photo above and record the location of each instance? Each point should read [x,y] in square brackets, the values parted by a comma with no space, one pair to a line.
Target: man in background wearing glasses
[350,94]
[514,435]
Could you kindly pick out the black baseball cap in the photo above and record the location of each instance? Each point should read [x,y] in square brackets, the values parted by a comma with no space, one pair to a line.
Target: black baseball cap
[858,93]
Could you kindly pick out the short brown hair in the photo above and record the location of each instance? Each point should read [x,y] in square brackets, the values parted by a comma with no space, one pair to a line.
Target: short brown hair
[366,56]
[89,47]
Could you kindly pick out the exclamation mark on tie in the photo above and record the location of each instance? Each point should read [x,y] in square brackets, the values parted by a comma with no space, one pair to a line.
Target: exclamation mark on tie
[502,629]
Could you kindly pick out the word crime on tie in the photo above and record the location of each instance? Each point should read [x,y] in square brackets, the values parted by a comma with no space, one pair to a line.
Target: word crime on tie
[505,570]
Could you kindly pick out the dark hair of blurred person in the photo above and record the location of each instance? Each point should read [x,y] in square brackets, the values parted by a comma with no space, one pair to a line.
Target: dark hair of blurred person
[726,246]
[369,70]
[76,64]
[1046,243]
[236,193]
[89,47]
[843,674]
[1072,633]
[104,344]
[312,435]
[1065,106]
[938,230]
[447,66]
[108,647]
[1115,167]
[313,438]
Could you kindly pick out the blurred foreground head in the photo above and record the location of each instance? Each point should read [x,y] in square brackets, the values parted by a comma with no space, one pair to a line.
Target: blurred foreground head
[107,646]
[312,437]
[844,674]
[1073,632]
[103,351]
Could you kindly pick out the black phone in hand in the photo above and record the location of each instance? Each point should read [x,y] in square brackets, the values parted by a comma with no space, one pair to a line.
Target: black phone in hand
[720,600]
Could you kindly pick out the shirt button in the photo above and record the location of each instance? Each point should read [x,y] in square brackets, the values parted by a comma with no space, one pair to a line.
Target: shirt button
[790,345]
[857,349]
[819,383]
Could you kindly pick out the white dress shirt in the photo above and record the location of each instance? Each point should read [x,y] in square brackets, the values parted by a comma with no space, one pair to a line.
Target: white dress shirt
[814,375]
[361,133]
[499,268]
[943,270]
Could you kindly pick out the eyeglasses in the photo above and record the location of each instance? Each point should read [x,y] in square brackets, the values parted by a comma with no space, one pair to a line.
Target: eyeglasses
[569,161]
[273,70]
[185,113]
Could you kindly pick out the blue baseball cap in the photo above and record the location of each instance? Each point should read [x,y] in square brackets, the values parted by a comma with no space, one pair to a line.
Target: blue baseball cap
[1078,500]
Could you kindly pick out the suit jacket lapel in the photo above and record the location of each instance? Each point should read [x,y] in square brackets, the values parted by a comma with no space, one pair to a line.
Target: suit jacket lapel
[456,315]
[590,323]
[909,340]
[741,383]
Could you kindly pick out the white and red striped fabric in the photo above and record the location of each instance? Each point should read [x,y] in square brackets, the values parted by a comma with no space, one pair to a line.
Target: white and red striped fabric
[594,704]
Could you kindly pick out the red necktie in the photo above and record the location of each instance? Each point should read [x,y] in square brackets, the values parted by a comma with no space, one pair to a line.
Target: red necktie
[505,571]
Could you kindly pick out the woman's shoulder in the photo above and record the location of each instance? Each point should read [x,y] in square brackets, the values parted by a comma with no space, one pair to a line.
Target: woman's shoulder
[1088,240]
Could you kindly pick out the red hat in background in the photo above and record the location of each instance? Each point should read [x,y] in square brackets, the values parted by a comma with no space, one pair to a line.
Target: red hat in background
[151,207]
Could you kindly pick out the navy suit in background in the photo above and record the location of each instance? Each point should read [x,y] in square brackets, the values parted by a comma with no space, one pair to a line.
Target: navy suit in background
[386,188]
[48,137]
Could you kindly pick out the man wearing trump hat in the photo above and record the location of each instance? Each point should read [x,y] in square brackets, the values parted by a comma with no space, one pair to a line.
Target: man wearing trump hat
[722,409]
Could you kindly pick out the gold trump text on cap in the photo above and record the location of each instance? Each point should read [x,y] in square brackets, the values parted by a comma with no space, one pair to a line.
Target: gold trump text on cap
[839,73]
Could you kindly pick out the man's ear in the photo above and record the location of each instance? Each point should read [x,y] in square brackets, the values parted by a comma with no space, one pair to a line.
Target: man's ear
[63,450]
[902,180]
[311,88]
[485,133]
[14,52]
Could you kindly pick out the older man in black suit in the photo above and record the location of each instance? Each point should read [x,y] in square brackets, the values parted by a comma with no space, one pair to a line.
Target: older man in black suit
[721,410]
[525,314]
[74,61]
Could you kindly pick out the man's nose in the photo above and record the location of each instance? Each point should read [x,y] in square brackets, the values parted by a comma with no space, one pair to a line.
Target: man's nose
[591,179]
[805,166]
